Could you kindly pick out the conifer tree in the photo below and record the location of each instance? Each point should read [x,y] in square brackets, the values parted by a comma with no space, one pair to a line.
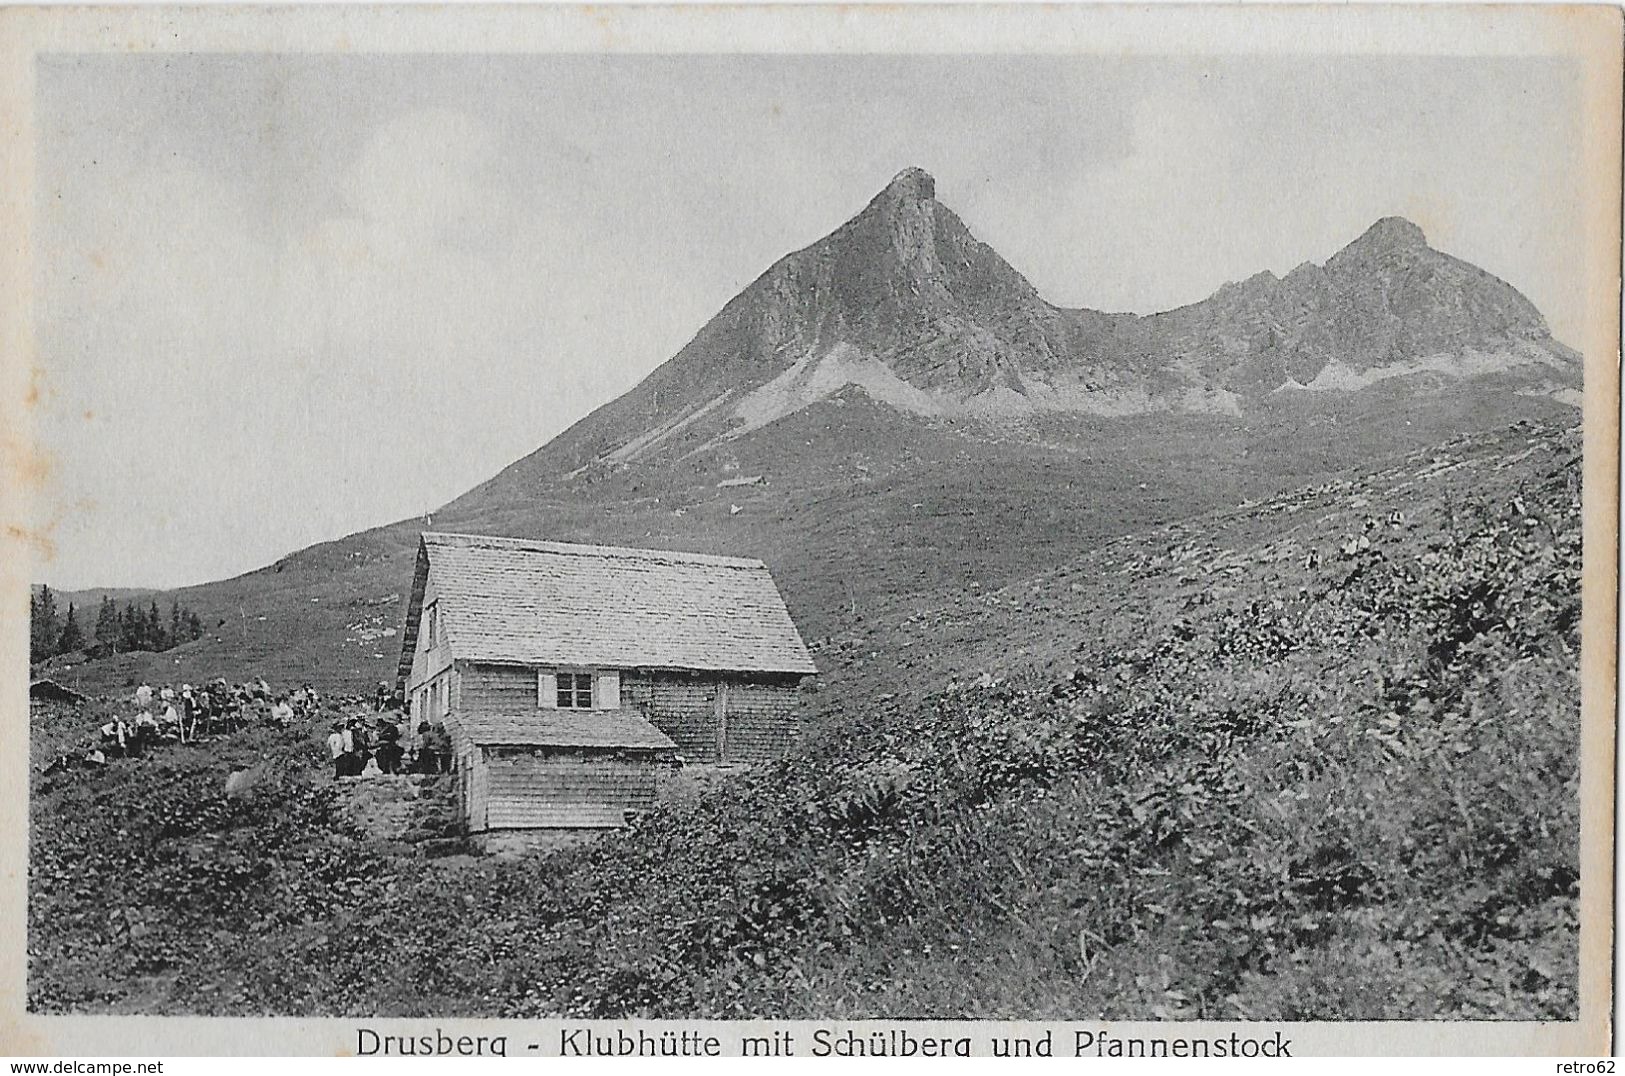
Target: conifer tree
[107,626]
[44,628]
[130,628]
[72,637]
[155,628]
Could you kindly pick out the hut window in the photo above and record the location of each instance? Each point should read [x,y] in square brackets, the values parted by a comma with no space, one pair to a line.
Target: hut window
[575,691]
[429,626]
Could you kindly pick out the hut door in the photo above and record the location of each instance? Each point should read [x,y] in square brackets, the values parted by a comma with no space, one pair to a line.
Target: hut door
[721,709]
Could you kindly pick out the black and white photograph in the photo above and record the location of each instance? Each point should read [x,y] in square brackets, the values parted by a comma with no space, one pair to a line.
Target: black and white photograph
[673,525]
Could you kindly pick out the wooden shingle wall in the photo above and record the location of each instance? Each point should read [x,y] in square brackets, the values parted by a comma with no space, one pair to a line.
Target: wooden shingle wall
[474,782]
[761,720]
[541,788]
[466,761]
[714,719]
[710,718]
[498,689]
[681,706]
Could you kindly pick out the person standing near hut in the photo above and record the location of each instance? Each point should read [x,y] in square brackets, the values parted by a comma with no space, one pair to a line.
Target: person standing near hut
[242,699]
[143,696]
[361,742]
[426,761]
[440,739]
[336,749]
[192,710]
[350,761]
[217,705]
[188,704]
[389,746]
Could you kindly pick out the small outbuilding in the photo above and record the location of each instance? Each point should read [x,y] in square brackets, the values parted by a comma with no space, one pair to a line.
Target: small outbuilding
[569,676]
[47,690]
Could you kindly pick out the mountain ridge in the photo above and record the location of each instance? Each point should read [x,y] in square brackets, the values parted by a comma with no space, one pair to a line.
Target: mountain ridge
[905,303]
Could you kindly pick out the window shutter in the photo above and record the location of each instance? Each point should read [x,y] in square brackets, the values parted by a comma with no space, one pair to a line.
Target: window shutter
[608,694]
[547,690]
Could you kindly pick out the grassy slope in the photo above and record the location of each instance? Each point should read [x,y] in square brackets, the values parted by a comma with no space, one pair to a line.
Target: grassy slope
[1185,774]
[863,508]
[859,503]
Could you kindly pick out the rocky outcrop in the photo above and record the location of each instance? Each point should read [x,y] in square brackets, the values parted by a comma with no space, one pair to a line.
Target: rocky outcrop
[1384,300]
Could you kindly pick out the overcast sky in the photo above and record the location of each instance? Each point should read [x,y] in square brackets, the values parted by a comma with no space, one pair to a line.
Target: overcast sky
[287,298]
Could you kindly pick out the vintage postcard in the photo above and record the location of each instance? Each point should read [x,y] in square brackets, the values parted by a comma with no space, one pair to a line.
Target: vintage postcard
[809,531]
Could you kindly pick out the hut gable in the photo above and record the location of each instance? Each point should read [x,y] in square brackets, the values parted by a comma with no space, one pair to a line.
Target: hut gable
[509,601]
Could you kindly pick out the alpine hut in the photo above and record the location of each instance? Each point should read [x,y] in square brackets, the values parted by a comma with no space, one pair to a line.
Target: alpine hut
[567,675]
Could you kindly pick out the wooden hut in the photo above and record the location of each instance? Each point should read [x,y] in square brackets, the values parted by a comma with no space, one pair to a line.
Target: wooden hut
[47,690]
[568,675]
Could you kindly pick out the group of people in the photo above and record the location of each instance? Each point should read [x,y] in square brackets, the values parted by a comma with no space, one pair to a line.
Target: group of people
[371,746]
[192,712]
[364,744]
[385,699]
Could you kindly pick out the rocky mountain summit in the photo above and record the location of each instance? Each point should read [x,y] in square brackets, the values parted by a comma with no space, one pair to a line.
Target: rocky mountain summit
[907,305]
[1385,305]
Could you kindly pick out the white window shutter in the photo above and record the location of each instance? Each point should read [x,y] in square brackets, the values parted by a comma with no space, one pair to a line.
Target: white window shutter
[547,690]
[608,693]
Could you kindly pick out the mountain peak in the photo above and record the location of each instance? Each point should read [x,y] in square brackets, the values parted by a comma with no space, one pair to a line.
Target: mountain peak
[906,208]
[1390,233]
[903,301]
[911,185]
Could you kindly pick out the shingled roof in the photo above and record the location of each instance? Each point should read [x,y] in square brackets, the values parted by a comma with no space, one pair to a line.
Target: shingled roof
[566,728]
[511,601]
